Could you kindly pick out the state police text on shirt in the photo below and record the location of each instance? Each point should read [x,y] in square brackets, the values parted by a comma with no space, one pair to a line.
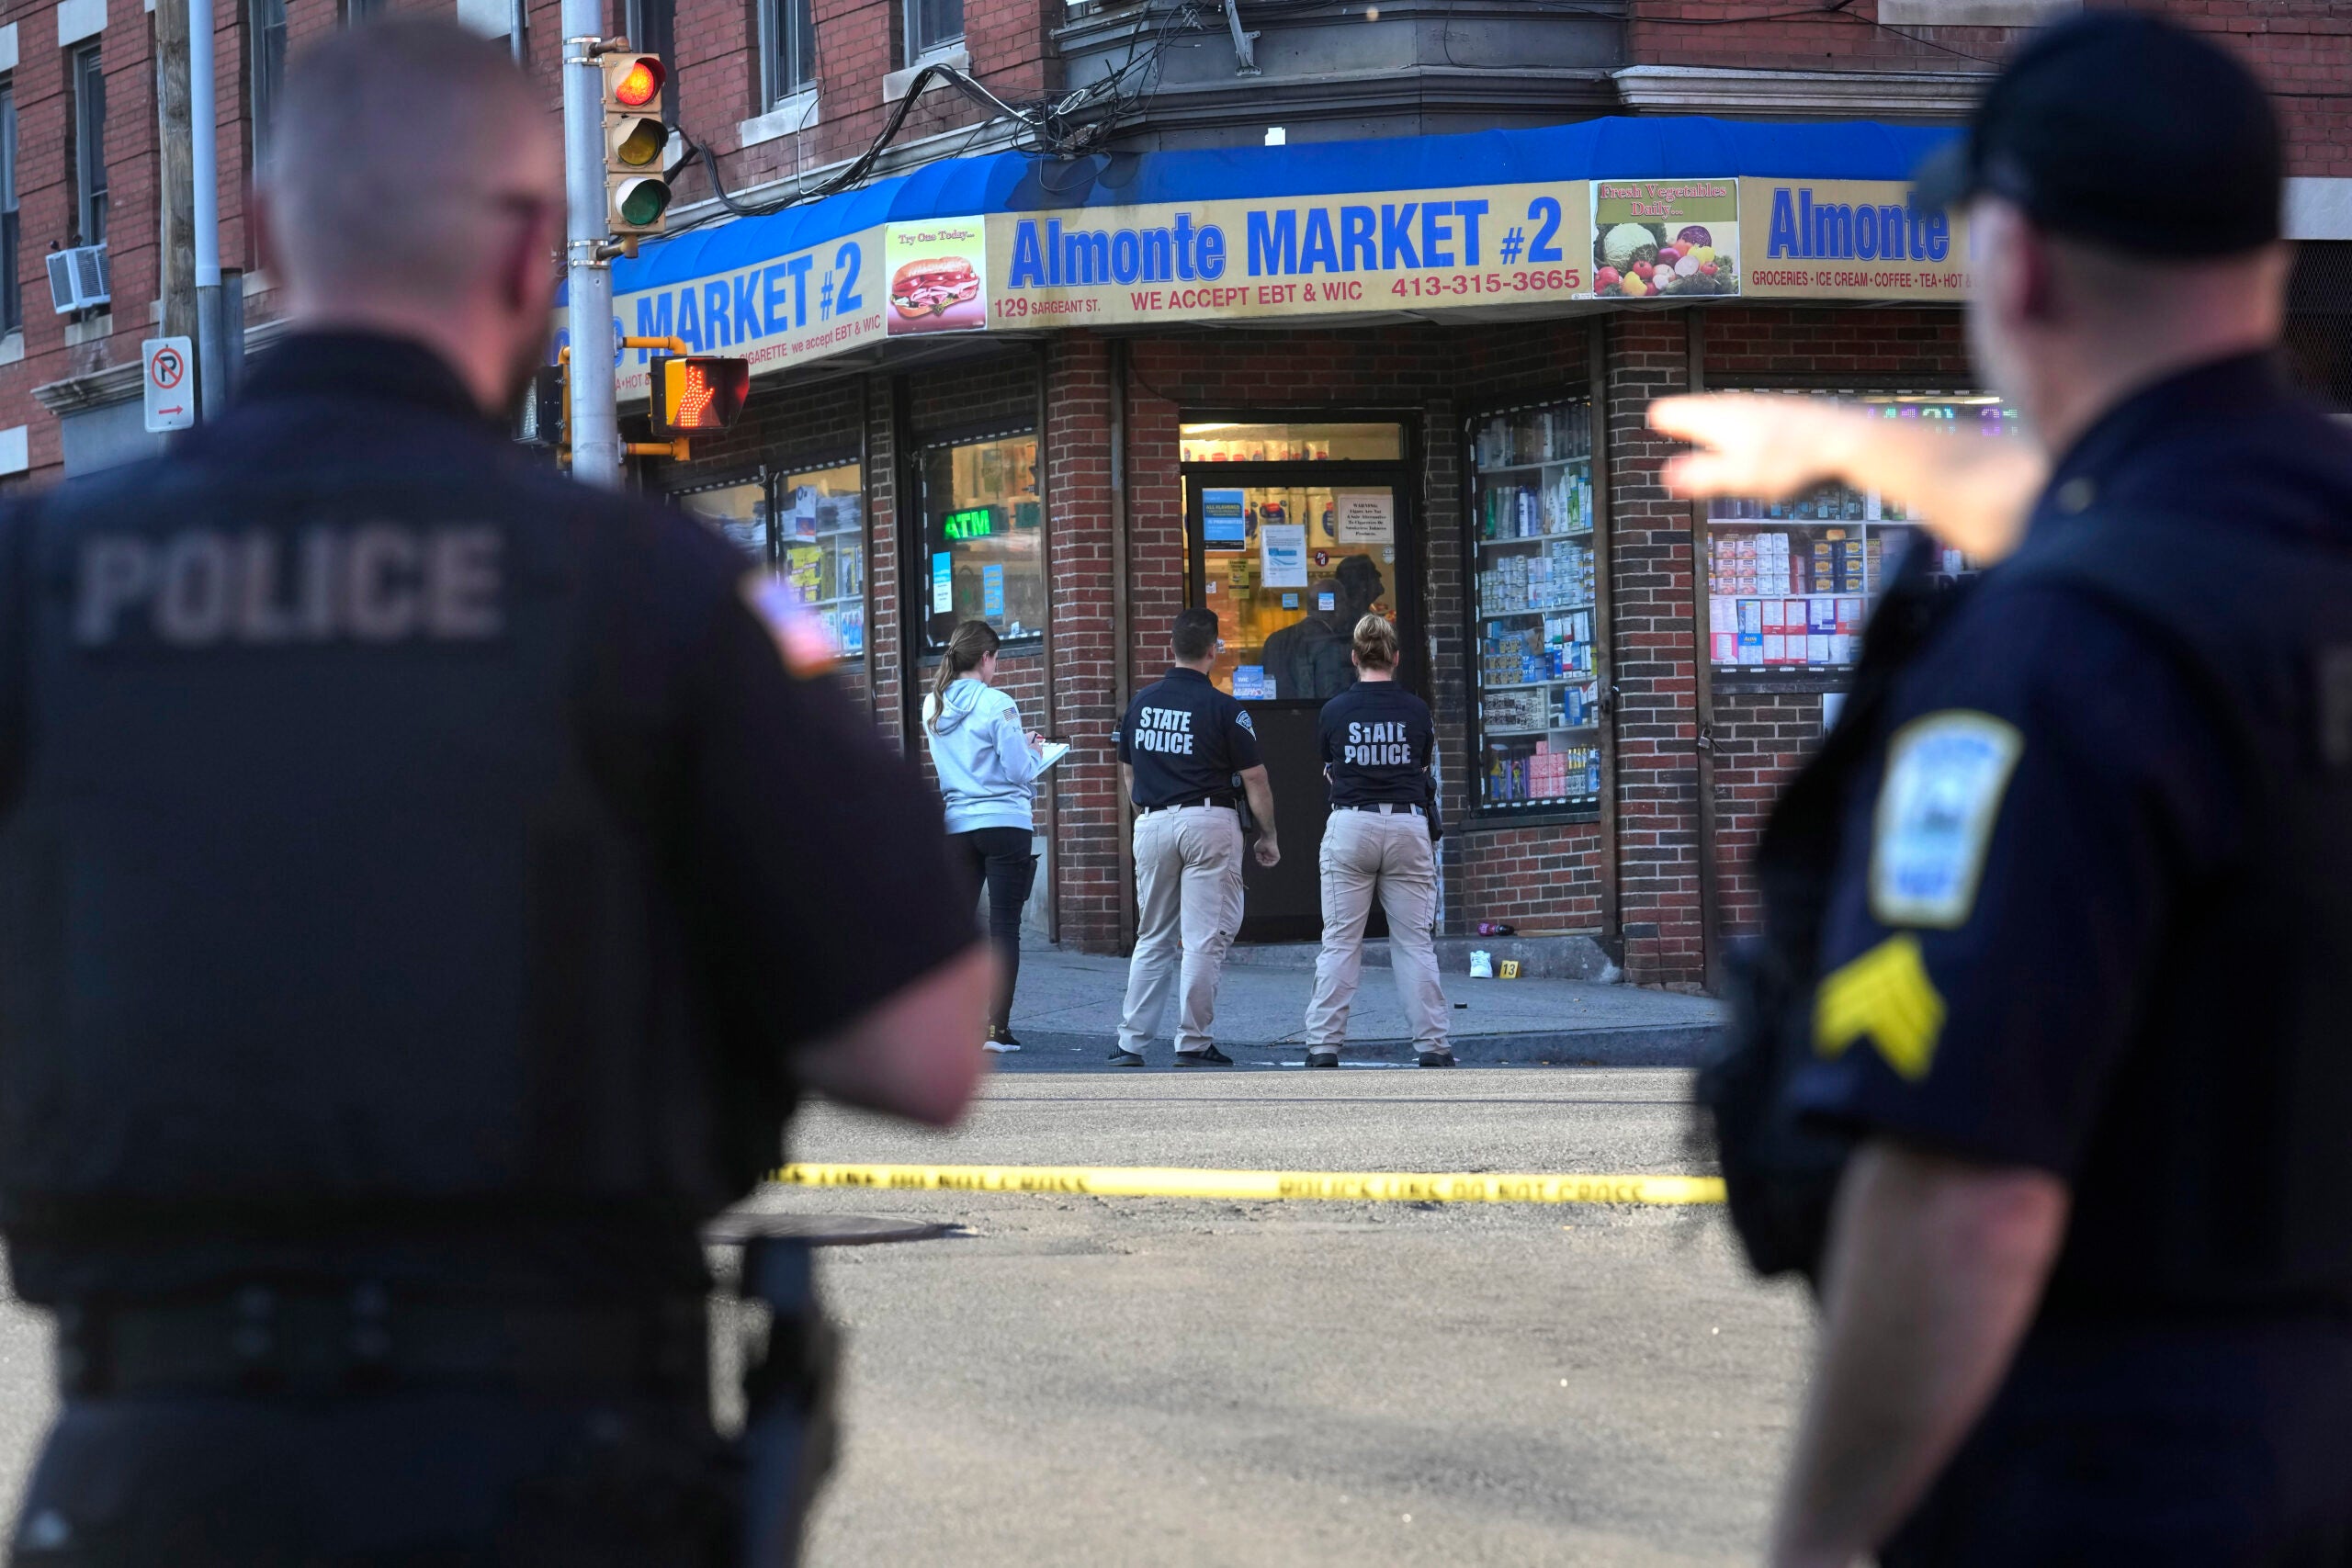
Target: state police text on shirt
[1165,730]
[1384,744]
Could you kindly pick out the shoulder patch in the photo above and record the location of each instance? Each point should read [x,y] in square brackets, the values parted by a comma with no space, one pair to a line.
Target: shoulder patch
[1245,721]
[800,638]
[1945,777]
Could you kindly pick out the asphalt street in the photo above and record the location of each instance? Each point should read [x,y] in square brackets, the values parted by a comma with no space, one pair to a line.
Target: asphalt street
[1110,1381]
[1152,1381]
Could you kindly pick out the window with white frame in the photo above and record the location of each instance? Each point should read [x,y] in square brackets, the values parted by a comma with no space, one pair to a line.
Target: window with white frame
[89,146]
[266,33]
[788,48]
[931,25]
[12,297]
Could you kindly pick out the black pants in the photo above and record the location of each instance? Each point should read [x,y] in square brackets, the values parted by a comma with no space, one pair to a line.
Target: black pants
[1000,861]
[400,1479]
[2176,1447]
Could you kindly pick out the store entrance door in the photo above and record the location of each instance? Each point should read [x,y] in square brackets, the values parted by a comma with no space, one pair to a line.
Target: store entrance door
[1290,558]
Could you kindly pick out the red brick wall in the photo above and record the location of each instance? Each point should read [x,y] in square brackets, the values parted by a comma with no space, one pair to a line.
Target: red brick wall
[2300,48]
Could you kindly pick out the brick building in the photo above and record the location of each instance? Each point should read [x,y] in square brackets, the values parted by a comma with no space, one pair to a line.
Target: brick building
[1012,377]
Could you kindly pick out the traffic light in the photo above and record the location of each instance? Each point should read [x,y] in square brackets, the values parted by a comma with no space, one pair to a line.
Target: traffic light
[694,394]
[636,191]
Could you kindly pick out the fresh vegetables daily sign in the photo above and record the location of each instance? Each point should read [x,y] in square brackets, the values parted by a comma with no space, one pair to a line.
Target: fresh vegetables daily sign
[1664,239]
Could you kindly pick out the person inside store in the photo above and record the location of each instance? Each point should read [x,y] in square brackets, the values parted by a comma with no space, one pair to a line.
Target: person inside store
[2040,1071]
[1183,747]
[1377,742]
[987,768]
[1310,659]
[432,883]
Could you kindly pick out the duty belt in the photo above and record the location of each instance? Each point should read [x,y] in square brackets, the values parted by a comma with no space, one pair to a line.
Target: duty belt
[1226,801]
[264,1340]
[1385,807]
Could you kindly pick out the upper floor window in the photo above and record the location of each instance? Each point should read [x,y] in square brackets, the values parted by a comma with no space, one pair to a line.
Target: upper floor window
[933,25]
[12,299]
[89,146]
[788,43]
[265,28]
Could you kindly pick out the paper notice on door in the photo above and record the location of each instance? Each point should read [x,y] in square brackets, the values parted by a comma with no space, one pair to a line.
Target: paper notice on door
[1224,519]
[1364,517]
[1283,547]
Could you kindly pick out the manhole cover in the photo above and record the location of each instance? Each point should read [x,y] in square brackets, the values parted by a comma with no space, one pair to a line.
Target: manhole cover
[819,1230]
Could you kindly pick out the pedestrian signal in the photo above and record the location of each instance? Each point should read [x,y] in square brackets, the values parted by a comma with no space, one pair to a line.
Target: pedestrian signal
[694,394]
[636,136]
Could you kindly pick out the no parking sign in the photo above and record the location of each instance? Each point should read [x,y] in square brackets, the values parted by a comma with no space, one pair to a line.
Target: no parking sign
[171,382]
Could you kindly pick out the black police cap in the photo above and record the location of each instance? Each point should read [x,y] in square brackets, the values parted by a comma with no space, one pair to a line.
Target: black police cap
[2125,132]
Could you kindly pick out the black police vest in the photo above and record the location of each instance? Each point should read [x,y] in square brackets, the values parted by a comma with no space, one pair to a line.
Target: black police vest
[2239,1073]
[311,906]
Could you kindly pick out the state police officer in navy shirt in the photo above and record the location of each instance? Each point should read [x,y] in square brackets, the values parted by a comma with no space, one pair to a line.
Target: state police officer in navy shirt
[426,885]
[1190,753]
[2059,920]
[1378,744]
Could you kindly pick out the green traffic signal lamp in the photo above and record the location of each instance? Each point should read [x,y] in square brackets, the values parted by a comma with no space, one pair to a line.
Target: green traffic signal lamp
[638,204]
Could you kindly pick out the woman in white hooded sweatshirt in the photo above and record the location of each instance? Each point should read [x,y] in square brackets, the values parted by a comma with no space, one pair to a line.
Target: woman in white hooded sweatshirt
[988,772]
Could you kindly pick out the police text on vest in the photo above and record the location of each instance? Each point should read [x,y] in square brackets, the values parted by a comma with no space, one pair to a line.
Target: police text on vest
[377,582]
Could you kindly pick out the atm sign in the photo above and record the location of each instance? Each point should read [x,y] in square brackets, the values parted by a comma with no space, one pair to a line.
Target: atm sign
[977,523]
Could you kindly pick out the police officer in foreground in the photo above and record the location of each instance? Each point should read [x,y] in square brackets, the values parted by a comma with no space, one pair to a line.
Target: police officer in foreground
[2058,920]
[428,885]
[1182,743]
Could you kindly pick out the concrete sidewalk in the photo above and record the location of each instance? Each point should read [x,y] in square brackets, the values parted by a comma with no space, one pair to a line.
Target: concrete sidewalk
[1067,1014]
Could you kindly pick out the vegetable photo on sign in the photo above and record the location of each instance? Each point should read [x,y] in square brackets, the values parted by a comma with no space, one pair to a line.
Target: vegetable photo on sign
[1664,239]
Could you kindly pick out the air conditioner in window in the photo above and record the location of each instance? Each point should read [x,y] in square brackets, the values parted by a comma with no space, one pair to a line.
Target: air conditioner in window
[77,279]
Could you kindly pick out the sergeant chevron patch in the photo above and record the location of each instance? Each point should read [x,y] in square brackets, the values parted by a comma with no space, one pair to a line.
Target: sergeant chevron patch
[1886,995]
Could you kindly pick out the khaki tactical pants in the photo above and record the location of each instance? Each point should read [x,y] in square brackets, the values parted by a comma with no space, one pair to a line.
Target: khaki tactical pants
[1188,897]
[1364,852]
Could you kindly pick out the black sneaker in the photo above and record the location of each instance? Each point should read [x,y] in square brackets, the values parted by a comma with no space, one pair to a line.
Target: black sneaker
[1000,1040]
[1125,1059]
[1436,1058]
[1322,1058]
[1206,1057]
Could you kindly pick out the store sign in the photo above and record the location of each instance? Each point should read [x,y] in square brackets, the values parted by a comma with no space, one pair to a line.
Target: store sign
[1270,259]
[813,303]
[1255,260]
[1664,239]
[1224,519]
[977,523]
[1850,240]
[938,277]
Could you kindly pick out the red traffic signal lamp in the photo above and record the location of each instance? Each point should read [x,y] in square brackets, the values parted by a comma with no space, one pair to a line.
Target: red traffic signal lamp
[637,133]
[693,394]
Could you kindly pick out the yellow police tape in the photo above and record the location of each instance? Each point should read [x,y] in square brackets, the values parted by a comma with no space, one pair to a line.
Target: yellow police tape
[1139,1182]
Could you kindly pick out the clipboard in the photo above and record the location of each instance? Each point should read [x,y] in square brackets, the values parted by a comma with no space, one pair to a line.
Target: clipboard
[1053,751]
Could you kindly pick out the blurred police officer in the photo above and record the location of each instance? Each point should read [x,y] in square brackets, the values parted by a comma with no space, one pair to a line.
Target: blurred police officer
[2059,919]
[1181,745]
[1377,741]
[428,885]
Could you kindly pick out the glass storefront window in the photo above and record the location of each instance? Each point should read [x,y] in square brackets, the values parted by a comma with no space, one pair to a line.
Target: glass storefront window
[1289,570]
[820,531]
[1789,583]
[983,539]
[1535,605]
[739,512]
[1214,443]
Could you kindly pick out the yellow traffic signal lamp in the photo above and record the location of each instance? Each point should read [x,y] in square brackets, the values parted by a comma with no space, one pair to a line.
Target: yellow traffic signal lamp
[694,394]
[636,191]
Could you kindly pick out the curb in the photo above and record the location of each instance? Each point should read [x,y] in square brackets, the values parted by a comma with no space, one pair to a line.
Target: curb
[1633,1045]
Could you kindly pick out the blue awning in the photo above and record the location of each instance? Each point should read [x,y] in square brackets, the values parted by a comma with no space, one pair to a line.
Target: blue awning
[1614,147]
